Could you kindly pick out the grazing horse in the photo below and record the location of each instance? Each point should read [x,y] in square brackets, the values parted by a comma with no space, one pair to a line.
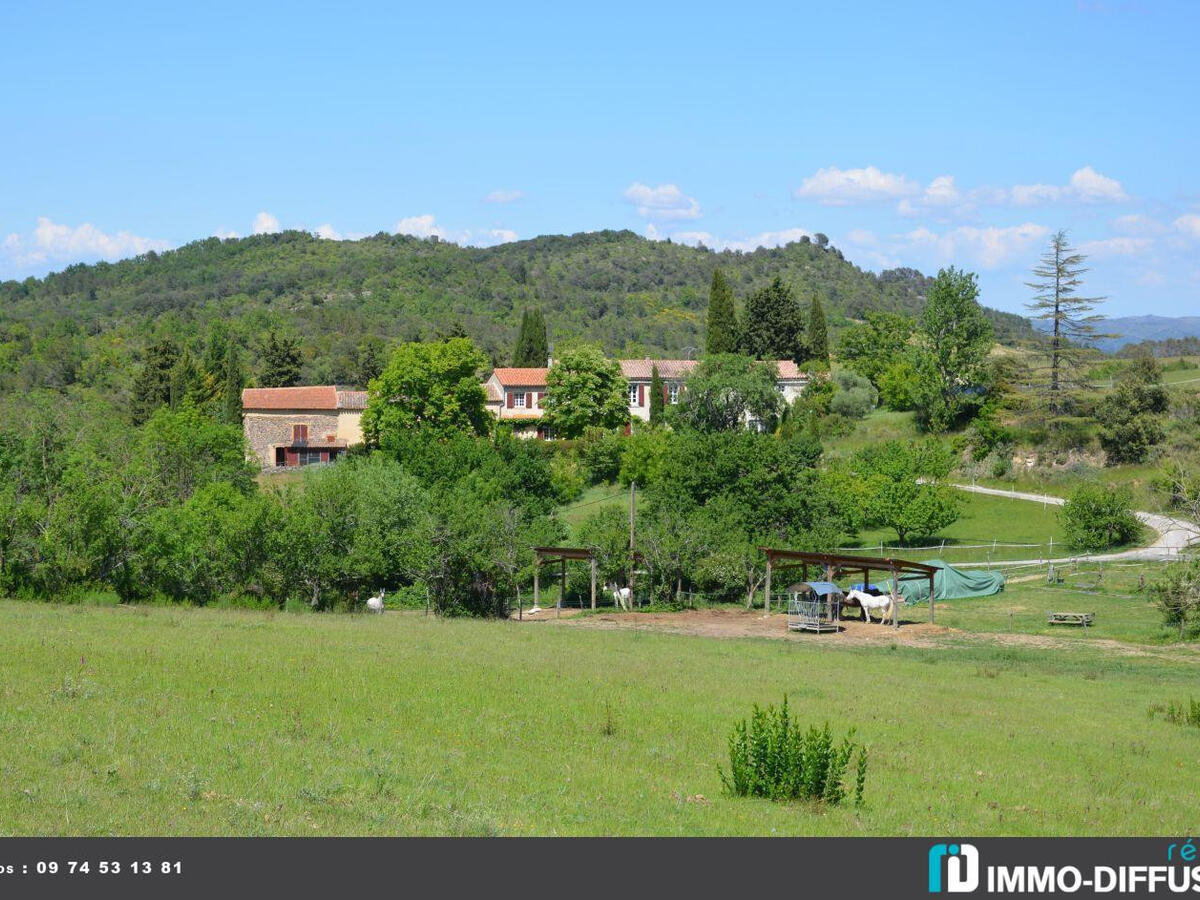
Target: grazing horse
[622,597]
[375,604]
[870,603]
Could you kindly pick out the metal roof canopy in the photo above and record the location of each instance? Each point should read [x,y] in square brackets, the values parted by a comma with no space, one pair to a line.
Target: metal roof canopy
[558,555]
[833,563]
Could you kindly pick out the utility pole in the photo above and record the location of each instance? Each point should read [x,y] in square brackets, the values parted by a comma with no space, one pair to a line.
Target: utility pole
[632,518]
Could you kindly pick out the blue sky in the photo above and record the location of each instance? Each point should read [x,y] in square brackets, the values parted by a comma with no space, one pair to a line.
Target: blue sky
[918,134]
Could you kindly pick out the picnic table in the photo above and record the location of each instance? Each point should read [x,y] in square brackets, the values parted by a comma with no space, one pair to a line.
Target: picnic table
[1071,618]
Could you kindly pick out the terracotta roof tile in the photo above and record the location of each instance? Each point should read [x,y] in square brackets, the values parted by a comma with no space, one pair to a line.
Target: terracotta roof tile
[308,397]
[515,377]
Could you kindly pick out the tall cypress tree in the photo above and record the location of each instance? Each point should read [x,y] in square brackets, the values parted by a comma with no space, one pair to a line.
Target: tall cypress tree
[533,345]
[231,389]
[152,387]
[722,336]
[281,361]
[773,327]
[816,338]
[657,401]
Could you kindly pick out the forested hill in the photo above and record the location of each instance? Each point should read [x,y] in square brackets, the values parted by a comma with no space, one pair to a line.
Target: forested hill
[634,295]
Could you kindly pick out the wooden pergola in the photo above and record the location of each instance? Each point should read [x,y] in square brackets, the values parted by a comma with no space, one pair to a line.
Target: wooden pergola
[560,555]
[834,565]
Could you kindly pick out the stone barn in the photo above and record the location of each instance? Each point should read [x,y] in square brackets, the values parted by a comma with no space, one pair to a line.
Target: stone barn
[299,426]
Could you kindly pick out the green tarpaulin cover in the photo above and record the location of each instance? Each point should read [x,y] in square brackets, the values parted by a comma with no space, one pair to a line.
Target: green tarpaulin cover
[949,583]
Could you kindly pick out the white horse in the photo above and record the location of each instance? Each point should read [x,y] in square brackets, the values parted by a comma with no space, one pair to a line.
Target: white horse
[375,604]
[870,603]
[621,596]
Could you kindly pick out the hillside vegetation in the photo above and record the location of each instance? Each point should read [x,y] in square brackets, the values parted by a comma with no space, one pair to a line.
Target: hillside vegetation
[634,295]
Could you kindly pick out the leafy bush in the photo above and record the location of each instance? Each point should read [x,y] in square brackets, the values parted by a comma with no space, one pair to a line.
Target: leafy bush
[600,452]
[771,756]
[568,476]
[855,396]
[898,385]
[1098,517]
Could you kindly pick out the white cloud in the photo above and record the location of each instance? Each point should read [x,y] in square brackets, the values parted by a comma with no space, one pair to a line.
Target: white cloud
[51,242]
[226,233]
[842,187]
[1137,224]
[502,235]
[1116,246]
[1151,278]
[862,237]
[420,226]
[763,239]
[504,196]
[666,201]
[328,232]
[1086,186]
[1188,225]
[988,247]
[942,191]
[265,223]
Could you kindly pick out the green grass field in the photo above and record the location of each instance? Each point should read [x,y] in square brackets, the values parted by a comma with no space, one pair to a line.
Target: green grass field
[202,721]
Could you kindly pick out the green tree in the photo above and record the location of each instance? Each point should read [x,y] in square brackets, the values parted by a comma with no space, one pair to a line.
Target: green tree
[152,387]
[956,338]
[875,345]
[721,335]
[723,391]
[816,338]
[1099,517]
[854,398]
[281,360]
[216,350]
[584,389]
[431,387]
[773,325]
[232,383]
[1130,416]
[1177,594]
[533,346]
[657,401]
[1071,322]
[898,485]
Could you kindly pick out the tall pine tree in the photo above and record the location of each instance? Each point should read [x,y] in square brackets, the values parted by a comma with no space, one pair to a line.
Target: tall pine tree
[722,336]
[1056,280]
[773,327]
[533,346]
[816,337]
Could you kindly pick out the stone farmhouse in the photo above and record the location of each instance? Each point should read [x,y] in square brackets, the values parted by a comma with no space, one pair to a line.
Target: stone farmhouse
[515,395]
[296,426]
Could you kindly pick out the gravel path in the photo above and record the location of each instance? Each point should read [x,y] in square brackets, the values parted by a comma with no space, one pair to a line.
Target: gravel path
[1173,534]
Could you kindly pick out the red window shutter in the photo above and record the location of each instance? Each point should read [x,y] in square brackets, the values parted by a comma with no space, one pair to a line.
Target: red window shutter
[666,397]
[528,401]
[511,399]
[299,432]
[641,395]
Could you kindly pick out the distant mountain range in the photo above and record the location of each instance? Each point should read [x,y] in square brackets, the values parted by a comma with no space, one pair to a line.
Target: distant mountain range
[1135,329]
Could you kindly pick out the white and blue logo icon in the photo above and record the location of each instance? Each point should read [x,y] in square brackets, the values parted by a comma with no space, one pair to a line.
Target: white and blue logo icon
[959,862]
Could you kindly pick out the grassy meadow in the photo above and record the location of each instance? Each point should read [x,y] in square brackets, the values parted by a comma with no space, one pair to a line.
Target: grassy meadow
[158,720]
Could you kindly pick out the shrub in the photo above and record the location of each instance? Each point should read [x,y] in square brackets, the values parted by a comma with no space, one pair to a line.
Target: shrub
[1097,517]
[771,756]
[1177,594]
[855,396]
[898,385]
[568,476]
[600,452]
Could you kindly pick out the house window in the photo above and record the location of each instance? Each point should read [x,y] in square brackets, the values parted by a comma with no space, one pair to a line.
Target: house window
[673,392]
[633,395]
[299,434]
[519,400]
